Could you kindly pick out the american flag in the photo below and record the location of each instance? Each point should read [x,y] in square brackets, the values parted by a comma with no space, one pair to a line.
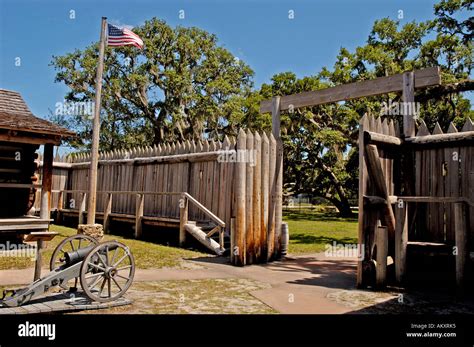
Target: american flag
[122,37]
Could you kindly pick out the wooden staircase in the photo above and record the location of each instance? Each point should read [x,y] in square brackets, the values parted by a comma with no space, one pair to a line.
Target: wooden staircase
[212,235]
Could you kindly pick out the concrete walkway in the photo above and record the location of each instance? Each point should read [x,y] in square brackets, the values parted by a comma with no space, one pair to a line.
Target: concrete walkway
[297,285]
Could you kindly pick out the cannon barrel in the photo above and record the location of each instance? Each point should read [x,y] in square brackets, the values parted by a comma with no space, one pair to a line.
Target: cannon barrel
[79,255]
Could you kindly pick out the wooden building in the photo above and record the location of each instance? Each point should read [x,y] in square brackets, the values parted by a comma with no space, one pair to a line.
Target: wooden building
[21,134]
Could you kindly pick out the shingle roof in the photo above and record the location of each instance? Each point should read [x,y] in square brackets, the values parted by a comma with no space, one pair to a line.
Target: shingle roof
[15,115]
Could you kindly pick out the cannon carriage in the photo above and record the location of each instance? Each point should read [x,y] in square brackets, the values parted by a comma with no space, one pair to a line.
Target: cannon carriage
[105,272]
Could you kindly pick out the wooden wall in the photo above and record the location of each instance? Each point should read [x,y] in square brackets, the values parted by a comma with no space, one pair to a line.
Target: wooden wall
[442,171]
[217,174]
[408,188]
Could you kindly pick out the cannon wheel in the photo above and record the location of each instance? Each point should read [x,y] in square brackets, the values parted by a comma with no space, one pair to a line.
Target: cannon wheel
[72,243]
[107,271]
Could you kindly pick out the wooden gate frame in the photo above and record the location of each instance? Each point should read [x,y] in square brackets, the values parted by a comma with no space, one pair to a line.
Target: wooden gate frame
[405,82]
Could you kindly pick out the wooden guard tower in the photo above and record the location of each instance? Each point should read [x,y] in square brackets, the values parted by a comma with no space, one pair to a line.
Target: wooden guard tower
[21,134]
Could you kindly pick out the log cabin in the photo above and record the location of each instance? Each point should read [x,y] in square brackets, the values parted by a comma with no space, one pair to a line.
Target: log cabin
[21,135]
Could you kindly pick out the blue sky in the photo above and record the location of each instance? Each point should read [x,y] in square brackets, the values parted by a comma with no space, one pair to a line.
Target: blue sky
[258,32]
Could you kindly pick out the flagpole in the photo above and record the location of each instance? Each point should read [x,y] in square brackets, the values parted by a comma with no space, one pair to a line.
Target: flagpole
[92,199]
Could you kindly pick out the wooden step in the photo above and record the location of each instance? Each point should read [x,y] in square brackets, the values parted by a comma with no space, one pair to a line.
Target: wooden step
[429,248]
[201,236]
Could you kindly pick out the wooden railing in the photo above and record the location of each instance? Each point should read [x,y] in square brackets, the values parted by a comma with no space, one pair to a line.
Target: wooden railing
[183,203]
[184,208]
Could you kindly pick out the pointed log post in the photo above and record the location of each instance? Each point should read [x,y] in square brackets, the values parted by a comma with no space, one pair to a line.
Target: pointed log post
[238,251]
[257,201]
[249,236]
[278,189]
[264,197]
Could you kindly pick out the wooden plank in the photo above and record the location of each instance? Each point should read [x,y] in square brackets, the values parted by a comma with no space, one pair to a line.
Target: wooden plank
[401,240]
[140,198]
[451,185]
[408,98]
[467,175]
[376,172]
[107,212]
[462,250]
[382,139]
[382,85]
[381,242]
[203,239]
[440,138]
[436,227]
[82,208]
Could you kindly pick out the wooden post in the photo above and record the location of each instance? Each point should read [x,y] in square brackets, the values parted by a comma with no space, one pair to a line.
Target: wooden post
[59,207]
[240,190]
[257,198]
[271,201]
[401,240]
[139,215]
[381,242]
[82,208]
[39,259]
[363,125]
[96,129]
[378,178]
[107,212]
[47,181]
[408,98]
[461,242]
[265,196]
[183,219]
[249,176]
[278,192]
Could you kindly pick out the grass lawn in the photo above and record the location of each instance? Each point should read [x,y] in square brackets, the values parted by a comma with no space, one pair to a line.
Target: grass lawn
[147,254]
[312,230]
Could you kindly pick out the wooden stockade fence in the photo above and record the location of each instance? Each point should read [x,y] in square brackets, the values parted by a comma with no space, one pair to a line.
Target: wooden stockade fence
[425,203]
[232,182]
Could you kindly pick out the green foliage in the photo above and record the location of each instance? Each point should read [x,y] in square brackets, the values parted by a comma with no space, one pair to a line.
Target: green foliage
[321,156]
[182,85]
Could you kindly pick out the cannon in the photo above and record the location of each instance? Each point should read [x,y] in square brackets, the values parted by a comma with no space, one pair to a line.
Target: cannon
[104,270]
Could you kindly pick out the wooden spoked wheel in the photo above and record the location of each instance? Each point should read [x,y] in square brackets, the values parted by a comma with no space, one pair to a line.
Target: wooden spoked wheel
[70,244]
[107,271]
